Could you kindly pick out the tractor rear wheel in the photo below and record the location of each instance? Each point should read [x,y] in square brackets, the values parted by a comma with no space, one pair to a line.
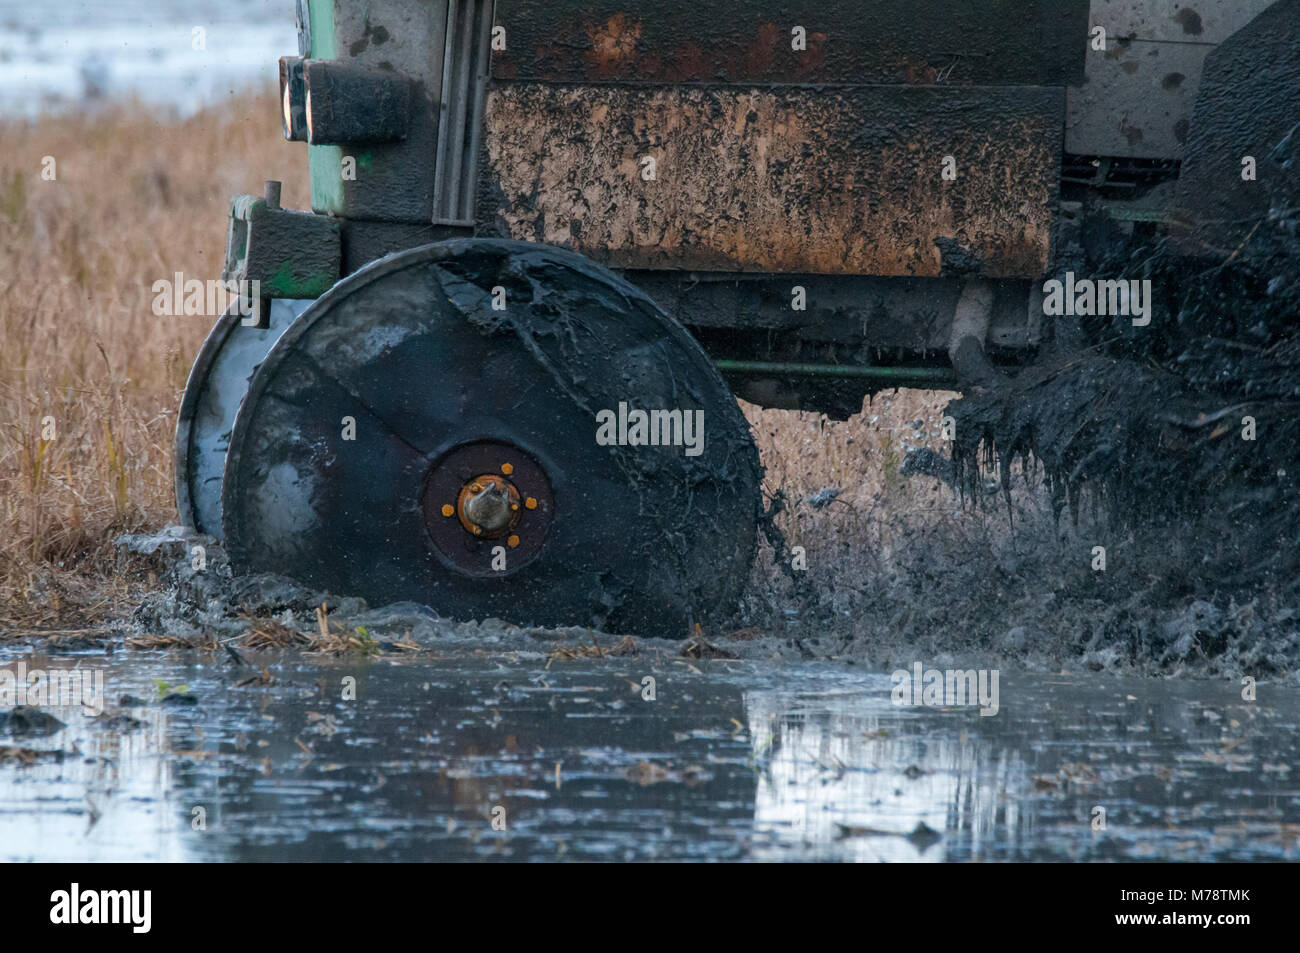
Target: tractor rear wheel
[427,431]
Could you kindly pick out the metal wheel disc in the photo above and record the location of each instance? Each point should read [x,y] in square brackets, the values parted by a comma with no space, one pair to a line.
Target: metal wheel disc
[216,387]
[427,431]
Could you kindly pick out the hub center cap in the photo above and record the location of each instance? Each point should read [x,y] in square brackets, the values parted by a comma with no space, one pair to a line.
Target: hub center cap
[488,505]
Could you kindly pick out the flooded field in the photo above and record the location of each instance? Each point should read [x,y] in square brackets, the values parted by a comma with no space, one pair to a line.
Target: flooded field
[730,760]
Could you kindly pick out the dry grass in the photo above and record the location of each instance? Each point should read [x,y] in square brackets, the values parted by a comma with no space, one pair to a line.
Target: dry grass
[136,199]
[198,643]
[267,634]
[624,646]
[806,453]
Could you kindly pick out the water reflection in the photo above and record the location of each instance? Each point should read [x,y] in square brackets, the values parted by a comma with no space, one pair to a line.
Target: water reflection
[730,761]
[850,775]
[97,788]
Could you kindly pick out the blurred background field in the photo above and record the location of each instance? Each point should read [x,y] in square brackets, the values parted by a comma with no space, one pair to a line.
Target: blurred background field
[147,138]
[136,199]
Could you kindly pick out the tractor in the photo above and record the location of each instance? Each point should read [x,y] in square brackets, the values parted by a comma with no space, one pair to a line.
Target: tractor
[494,369]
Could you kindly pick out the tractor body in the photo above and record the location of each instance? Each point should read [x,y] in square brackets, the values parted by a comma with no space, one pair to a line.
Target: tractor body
[720,156]
[831,199]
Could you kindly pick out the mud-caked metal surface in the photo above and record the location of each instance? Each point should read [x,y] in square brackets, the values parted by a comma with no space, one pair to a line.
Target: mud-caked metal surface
[408,359]
[778,180]
[1137,98]
[1248,106]
[217,384]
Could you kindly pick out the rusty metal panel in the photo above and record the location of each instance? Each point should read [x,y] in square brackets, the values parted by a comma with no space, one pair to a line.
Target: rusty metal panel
[993,42]
[783,180]
[1136,100]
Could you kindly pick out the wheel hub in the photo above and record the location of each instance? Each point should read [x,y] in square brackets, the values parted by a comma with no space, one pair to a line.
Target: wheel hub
[488,506]
[482,494]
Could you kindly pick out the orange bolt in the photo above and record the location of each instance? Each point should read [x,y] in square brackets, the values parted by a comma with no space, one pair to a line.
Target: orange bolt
[448,510]
[507,468]
[478,530]
[513,541]
[530,503]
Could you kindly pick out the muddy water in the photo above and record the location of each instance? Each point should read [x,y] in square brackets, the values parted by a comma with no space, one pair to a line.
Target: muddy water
[731,760]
